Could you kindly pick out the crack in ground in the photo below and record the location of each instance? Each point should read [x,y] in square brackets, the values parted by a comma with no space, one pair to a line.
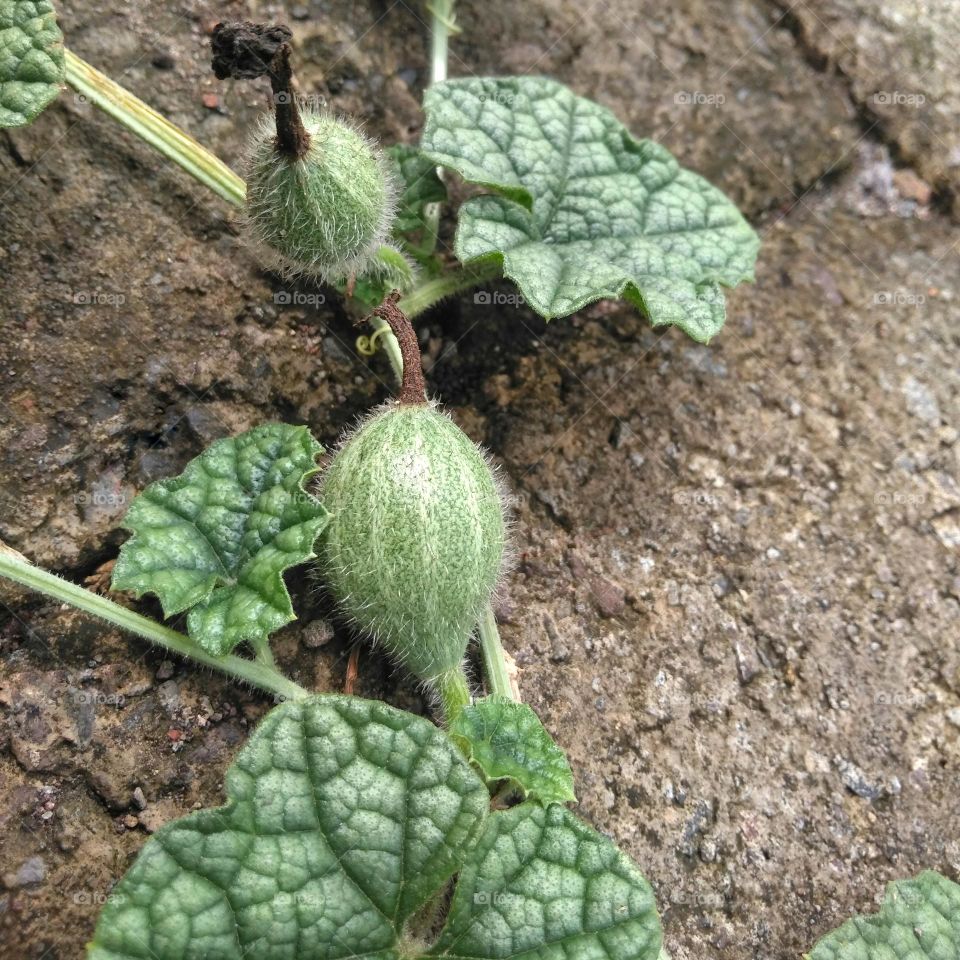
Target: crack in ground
[872,123]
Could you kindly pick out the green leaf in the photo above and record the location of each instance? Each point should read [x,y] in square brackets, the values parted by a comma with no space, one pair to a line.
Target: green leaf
[919,920]
[419,186]
[542,884]
[344,816]
[217,539]
[31,60]
[344,819]
[507,741]
[583,210]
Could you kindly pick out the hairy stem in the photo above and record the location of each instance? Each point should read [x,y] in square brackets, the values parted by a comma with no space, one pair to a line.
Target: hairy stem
[154,129]
[412,387]
[422,297]
[454,693]
[16,568]
[243,50]
[426,295]
[264,655]
[293,141]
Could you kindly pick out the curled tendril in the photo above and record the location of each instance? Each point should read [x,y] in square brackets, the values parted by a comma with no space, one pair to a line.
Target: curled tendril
[367,346]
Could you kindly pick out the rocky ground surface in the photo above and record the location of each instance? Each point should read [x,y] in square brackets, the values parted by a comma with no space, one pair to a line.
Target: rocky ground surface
[736,594]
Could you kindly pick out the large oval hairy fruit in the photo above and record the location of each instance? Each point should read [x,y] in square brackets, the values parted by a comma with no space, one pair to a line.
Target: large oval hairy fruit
[416,540]
[327,212]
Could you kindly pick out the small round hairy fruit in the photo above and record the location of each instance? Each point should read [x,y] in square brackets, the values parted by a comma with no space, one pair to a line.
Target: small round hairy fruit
[417,536]
[324,213]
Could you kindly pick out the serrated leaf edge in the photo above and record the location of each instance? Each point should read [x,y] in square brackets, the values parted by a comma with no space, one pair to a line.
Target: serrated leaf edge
[220,581]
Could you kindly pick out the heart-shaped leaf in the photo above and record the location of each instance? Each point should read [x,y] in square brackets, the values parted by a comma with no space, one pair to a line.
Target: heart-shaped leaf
[583,210]
[919,920]
[507,741]
[31,59]
[217,539]
[542,884]
[345,818]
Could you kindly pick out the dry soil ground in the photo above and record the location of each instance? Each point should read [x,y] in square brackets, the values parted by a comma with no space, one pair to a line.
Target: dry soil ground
[736,601]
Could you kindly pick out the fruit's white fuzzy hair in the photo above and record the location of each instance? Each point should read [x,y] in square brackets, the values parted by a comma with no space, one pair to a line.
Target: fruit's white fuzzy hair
[372,630]
[263,240]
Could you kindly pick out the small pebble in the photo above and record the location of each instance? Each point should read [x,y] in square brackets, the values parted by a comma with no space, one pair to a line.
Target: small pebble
[316,634]
[139,800]
[608,597]
[708,850]
[30,873]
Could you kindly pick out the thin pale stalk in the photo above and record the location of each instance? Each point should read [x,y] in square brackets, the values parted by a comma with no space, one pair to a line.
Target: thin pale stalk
[154,129]
[16,568]
[494,657]
[426,295]
[441,25]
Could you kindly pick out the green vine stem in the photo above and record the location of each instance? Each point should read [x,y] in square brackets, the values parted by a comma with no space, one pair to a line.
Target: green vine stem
[155,129]
[442,24]
[454,693]
[424,296]
[494,658]
[16,568]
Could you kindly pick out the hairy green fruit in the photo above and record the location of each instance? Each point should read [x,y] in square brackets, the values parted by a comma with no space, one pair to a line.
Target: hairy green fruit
[416,539]
[327,212]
